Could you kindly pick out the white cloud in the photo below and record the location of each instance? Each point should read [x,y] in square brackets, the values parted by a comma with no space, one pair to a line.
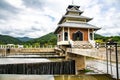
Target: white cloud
[16,3]
[35,21]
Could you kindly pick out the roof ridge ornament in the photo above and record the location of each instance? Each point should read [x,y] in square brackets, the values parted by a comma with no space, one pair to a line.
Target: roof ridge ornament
[72,2]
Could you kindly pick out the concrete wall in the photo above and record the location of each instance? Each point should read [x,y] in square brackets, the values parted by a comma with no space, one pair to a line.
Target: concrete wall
[2,52]
[10,51]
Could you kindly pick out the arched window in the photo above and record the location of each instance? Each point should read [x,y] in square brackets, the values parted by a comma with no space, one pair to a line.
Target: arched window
[66,36]
[78,36]
[91,36]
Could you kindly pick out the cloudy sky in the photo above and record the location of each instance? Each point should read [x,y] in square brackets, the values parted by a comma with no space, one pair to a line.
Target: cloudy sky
[34,18]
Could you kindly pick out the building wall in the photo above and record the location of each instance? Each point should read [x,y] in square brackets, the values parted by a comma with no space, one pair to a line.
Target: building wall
[60,36]
[74,30]
[84,31]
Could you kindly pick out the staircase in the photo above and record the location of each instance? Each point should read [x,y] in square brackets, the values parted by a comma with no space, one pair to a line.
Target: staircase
[82,45]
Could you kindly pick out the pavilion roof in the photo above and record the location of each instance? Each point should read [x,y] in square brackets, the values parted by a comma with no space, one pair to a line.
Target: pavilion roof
[71,6]
[75,16]
[69,10]
[77,25]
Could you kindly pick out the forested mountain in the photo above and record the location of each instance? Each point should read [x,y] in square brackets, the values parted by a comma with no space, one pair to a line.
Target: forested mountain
[4,39]
[24,39]
[48,39]
[105,39]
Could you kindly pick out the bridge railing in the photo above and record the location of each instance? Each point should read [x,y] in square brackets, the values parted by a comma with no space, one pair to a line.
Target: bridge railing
[103,45]
[27,46]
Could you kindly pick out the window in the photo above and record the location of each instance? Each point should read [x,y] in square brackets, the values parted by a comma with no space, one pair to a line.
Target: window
[66,36]
[91,36]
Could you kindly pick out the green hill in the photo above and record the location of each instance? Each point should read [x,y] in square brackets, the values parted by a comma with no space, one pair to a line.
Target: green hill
[98,36]
[24,39]
[4,39]
[105,39]
[51,39]
[48,39]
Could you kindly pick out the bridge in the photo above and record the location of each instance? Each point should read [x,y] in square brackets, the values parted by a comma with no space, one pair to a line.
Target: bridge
[79,52]
[93,53]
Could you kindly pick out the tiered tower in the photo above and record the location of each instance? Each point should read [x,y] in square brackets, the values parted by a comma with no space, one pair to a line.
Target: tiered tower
[73,28]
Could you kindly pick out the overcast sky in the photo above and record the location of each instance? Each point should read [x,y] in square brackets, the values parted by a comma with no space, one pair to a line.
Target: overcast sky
[34,18]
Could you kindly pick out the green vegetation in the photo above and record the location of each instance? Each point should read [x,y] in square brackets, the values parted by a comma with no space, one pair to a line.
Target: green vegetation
[84,71]
[4,39]
[24,39]
[48,39]
[102,39]
[88,70]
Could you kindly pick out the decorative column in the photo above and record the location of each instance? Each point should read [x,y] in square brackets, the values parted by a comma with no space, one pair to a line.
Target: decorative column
[58,38]
[88,35]
[68,34]
[92,34]
[63,34]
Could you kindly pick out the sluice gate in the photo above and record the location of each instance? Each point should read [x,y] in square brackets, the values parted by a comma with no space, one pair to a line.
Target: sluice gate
[63,67]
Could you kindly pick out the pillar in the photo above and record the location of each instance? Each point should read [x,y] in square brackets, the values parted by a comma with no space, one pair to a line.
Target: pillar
[63,34]
[79,60]
[88,34]
[68,34]
[57,37]
[93,34]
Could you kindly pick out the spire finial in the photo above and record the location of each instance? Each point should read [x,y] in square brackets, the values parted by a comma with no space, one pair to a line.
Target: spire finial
[72,1]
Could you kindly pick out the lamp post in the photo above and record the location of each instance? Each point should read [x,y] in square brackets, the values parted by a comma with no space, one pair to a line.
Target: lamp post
[116,56]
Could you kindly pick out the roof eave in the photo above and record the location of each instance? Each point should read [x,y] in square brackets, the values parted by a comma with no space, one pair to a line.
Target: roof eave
[97,29]
[57,30]
[80,27]
[89,19]
[68,10]
[61,19]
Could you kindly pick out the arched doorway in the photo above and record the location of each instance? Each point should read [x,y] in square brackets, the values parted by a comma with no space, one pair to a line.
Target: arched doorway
[78,36]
